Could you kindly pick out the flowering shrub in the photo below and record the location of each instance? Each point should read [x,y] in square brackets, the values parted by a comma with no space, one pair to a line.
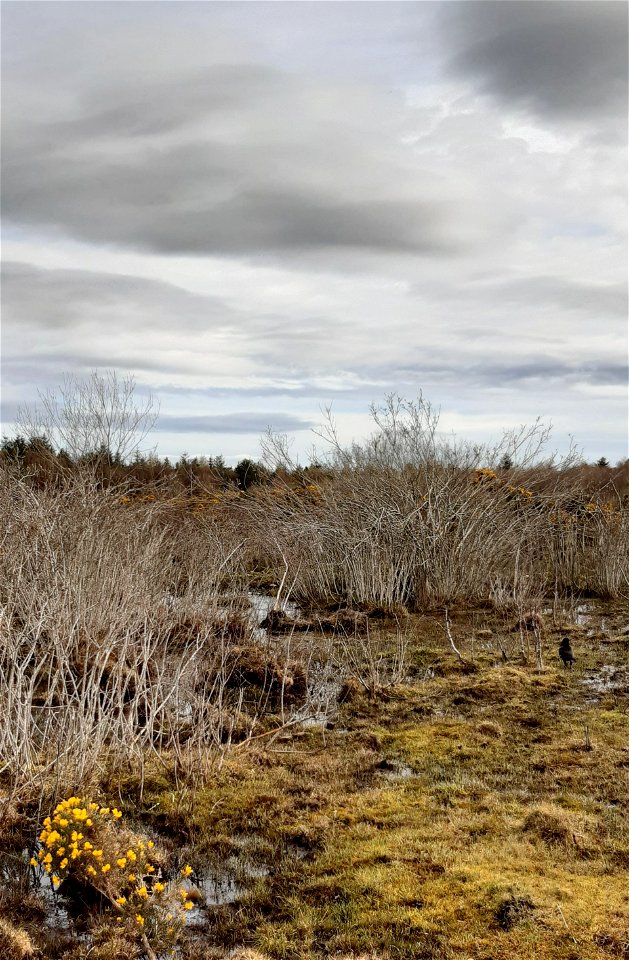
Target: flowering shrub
[86,841]
[484,474]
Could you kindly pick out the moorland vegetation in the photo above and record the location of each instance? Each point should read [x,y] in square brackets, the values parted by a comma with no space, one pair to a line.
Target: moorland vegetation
[330,695]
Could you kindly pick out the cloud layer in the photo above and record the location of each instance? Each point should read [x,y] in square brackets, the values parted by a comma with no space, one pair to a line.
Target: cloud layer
[560,59]
[290,204]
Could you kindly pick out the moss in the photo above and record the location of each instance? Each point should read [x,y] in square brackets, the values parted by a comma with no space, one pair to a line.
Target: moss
[502,840]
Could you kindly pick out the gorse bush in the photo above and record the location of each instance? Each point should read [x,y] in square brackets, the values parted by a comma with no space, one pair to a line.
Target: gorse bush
[86,843]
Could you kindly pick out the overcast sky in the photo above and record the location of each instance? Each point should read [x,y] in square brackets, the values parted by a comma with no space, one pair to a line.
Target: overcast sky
[261,209]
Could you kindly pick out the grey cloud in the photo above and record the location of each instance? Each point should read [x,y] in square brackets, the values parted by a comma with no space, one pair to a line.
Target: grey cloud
[225,158]
[246,422]
[594,299]
[193,201]
[560,59]
[598,300]
[542,369]
[170,103]
[457,369]
[34,297]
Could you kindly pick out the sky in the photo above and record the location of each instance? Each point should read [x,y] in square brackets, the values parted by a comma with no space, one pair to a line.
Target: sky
[266,210]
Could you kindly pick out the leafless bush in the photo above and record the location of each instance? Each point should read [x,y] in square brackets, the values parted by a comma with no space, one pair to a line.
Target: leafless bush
[98,414]
[123,627]
[416,518]
[375,658]
[106,612]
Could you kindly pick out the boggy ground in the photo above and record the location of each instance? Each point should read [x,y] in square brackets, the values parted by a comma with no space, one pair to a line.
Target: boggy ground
[475,810]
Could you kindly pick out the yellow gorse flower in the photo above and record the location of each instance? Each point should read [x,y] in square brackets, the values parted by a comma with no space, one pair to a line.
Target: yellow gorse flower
[80,839]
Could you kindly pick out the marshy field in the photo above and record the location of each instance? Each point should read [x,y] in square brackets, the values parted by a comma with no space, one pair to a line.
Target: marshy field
[321,714]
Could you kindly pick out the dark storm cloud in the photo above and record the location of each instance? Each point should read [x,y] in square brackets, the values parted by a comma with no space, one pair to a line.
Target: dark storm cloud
[246,422]
[560,59]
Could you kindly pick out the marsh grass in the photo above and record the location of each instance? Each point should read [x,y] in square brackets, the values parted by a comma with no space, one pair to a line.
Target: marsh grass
[507,838]
[420,776]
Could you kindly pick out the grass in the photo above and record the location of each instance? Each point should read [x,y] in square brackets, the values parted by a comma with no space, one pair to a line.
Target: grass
[504,804]
[472,811]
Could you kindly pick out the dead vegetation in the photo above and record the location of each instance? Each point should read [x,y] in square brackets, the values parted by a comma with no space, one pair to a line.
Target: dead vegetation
[449,814]
[399,768]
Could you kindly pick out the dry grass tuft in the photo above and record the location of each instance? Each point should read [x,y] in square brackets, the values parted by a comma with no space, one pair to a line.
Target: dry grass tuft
[552,828]
[16,943]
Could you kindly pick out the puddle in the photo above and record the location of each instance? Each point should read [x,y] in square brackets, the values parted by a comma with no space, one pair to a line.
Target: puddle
[261,604]
[584,615]
[256,606]
[607,679]
[394,770]
[228,883]
[58,914]
[219,885]
[18,877]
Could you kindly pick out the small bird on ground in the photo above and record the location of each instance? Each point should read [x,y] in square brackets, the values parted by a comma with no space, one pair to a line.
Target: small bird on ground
[565,652]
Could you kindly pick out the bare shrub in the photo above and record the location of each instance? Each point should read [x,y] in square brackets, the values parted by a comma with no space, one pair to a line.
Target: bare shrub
[414,518]
[94,663]
[99,414]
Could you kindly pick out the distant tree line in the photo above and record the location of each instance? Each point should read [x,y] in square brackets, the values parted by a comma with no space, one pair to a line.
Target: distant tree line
[99,424]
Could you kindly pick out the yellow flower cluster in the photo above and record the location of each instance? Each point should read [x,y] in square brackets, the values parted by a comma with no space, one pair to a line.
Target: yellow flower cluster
[484,473]
[83,838]
[521,490]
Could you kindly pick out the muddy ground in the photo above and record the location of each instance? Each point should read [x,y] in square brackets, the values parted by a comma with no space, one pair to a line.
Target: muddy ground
[472,809]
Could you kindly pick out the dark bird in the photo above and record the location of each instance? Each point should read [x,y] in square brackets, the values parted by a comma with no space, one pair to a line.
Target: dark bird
[565,652]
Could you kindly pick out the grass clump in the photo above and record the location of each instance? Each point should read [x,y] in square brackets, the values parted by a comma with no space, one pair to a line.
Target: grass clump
[16,943]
